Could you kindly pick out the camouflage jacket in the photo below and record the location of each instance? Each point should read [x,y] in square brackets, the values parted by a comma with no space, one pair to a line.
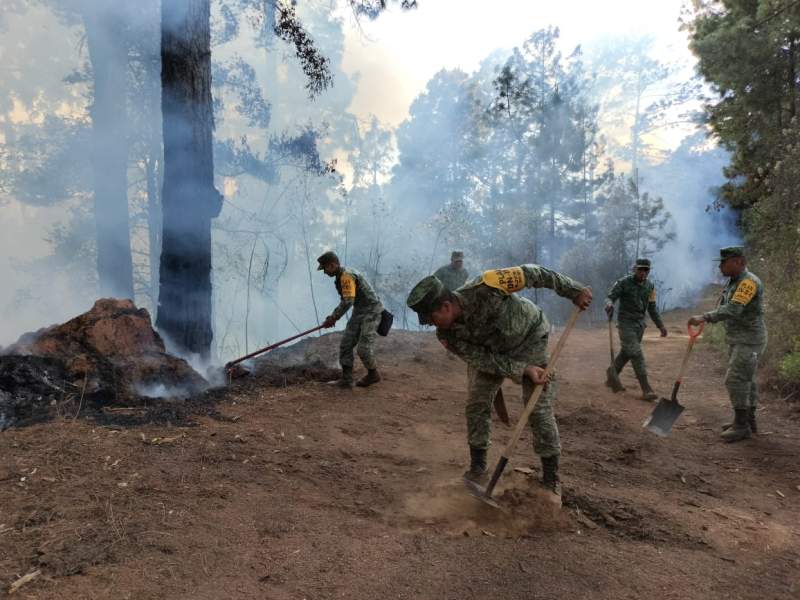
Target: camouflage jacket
[635,299]
[354,290]
[500,332]
[450,277]
[742,310]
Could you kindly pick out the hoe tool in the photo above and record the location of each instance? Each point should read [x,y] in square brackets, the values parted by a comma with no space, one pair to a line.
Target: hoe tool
[667,411]
[229,367]
[613,377]
[485,495]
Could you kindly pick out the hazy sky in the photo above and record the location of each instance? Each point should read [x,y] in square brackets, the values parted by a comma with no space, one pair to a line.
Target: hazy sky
[397,54]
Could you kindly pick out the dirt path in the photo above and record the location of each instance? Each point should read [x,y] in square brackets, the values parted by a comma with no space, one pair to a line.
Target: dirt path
[310,492]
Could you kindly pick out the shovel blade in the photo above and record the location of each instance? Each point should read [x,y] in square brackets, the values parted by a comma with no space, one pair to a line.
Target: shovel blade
[479,492]
[613,380]
[663,417]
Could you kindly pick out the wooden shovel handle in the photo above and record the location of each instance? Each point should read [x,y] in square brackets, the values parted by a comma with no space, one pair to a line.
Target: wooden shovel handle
[693,335]
[526,413]
[611,337]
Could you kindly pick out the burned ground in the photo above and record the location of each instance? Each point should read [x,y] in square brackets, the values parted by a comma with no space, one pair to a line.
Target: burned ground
[308,491]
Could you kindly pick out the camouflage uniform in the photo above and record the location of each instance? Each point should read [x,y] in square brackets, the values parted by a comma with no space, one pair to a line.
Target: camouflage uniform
[362,327]
[742,312]
[450,277]
[635,299]
[499,335]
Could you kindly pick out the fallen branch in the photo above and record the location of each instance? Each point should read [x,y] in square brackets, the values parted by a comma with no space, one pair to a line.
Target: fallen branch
[23,580]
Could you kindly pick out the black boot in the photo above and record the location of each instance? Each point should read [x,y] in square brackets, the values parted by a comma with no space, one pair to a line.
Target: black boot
[612,380]
[751,418]
[647,392]
[550,479]
[346,380]
[740,428]
[371,377]
[477,465]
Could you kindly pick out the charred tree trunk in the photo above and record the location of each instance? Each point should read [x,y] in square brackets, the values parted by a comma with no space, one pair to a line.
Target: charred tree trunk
[189,199]
[109,57]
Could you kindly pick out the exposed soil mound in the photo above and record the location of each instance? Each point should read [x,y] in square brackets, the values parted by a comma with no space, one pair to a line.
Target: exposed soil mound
[109,355]
[295,374]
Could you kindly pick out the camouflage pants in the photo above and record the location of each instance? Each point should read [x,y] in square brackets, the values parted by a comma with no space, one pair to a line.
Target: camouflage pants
[630,339]
[740,379]
[360,333]
[481,392]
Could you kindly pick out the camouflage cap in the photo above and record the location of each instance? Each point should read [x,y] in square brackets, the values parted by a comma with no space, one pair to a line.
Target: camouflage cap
[642,263]
[729,252]
[423,297]
[326,258]
[457,255]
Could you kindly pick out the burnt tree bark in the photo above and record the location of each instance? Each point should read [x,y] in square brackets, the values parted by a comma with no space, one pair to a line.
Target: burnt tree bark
[189,199]
[108,54]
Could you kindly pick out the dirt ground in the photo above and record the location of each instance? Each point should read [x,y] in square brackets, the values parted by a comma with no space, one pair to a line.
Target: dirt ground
[310,492]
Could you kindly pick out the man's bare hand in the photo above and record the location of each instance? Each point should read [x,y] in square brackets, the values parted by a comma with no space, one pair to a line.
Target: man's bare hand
[696,320]
[584,299]
[329,321]
[610,310]
[536,374]
[663,332]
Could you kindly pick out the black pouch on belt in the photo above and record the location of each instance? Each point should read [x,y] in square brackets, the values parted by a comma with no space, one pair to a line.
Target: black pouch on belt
[385,325]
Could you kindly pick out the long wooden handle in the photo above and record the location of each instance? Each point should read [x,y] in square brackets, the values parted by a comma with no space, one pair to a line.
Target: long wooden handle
[611,338]
[272,346]
[526,413]
[693,335]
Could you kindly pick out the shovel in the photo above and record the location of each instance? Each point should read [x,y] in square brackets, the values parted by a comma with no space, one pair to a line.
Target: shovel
[229,367]
[613,377]
[485,495]
[667,411]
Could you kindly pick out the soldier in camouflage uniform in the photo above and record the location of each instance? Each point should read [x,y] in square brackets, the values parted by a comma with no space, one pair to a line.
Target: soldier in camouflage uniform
[742,312]
[362,327]
[636,296]
[454,275]
[500,335]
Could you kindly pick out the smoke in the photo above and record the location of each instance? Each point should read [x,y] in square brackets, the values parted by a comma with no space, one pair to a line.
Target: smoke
[389,210]
[687,182]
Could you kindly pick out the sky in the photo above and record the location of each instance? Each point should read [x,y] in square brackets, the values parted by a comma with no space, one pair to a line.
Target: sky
[396,55]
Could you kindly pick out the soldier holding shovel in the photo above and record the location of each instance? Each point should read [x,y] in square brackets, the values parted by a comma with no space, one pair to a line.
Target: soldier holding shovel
[742,312]
[500,334]
[636,296]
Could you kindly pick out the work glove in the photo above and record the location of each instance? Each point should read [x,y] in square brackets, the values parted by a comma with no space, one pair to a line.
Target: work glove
[329,321]
[663,332]
[610,310]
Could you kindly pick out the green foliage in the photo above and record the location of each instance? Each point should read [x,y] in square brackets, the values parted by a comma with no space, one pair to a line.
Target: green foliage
[749,51]
[790,366]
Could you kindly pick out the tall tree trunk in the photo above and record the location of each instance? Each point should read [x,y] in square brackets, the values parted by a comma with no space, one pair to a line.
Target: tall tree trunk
[109,57]
[154,170]
[189,199]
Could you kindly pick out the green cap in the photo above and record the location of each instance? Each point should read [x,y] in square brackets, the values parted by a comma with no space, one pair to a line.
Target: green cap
[457,255]
[642,263]
[730,252]
[326,258]
[423,297]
